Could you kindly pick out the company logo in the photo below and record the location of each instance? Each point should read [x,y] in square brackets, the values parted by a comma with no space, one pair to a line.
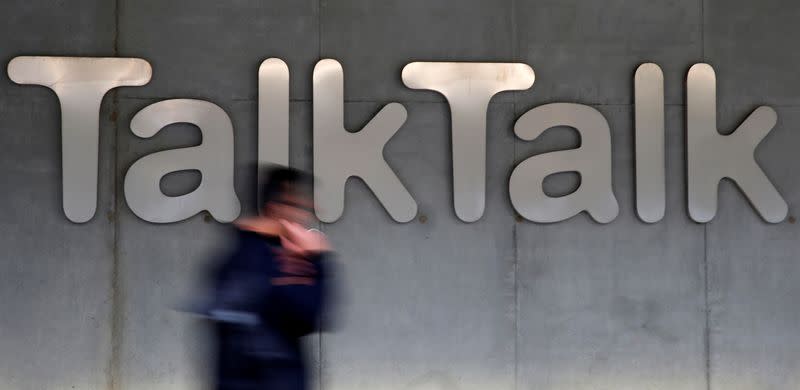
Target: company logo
[80,84]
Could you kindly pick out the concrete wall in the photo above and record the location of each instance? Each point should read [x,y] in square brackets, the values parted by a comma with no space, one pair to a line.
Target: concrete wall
[435,303]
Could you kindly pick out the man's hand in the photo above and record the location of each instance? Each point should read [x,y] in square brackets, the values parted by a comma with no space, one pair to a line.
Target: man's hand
[298,239]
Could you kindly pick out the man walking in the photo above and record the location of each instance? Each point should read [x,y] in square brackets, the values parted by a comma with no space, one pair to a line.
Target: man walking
[271,290]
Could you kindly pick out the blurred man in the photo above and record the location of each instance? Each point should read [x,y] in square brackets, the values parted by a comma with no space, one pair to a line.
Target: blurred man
[271,290]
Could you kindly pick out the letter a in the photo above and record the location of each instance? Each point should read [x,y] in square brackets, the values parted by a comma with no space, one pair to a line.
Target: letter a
[713,156]
[339,154]
[213,158]
[592,160]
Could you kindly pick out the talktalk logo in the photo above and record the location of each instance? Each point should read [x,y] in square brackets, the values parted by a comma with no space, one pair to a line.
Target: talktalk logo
[80,84]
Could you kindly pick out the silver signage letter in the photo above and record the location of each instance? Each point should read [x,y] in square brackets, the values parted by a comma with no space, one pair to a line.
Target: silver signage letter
[592,160]
[80,84]
[273,114]
[213,158]
[650,146]
[339,154]
[468,87]
[713,156]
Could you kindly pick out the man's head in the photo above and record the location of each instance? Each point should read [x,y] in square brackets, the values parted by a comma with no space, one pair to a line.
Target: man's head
[286,194]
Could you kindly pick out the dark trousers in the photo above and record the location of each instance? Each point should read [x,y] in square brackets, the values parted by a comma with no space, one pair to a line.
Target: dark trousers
[239,370]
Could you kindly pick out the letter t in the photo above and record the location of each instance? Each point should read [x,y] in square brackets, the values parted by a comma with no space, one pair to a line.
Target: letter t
[80,84]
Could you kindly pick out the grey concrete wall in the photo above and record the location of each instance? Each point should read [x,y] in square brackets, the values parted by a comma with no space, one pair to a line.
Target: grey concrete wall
[435,303]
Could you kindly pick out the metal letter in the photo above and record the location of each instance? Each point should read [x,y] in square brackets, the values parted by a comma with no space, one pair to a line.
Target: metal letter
[213,158]
[650,146]
[273,114]
[592,160]
[80,84]
[713,156]
[339,154]
[468,88]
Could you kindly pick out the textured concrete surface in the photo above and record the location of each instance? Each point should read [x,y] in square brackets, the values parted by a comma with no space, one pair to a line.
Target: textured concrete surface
[374,40]
[588,51]
[747,44]
[619,306]
[429,304]
[753,274]
[435,303]
[210,49]
[55,276]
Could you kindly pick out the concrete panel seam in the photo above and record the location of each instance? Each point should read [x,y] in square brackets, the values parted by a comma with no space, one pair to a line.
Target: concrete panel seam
[703,30]
[116,313]
[707,310]
[321,227]
[515,251]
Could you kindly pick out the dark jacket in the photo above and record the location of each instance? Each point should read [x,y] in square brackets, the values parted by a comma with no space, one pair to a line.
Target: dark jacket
[266,298]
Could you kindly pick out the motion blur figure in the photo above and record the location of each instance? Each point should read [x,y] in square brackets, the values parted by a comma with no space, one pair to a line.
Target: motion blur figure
[271,290]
